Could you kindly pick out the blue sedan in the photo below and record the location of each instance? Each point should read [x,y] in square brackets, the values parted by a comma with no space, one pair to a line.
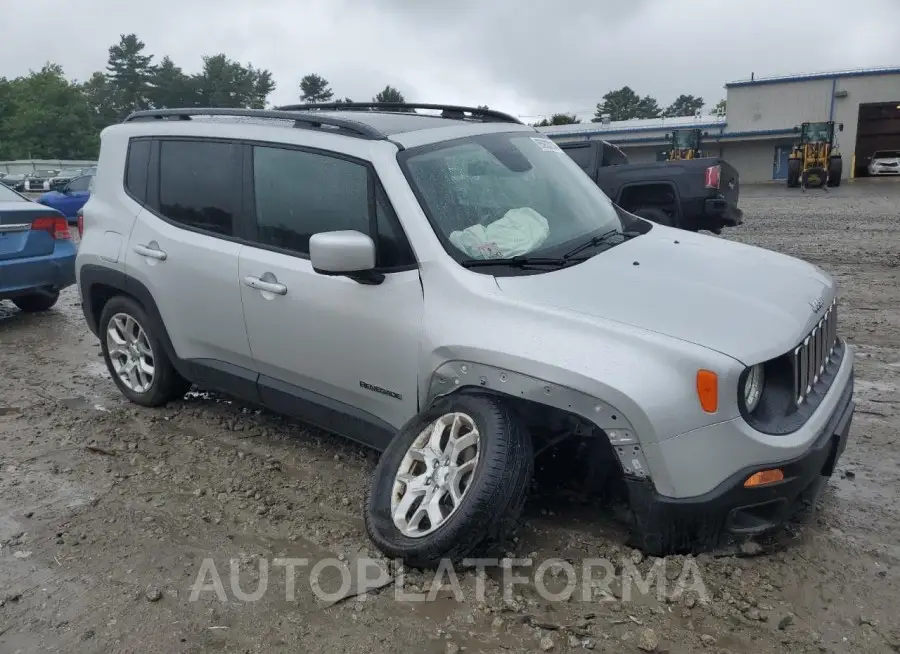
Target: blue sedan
[70,198]
[37,253]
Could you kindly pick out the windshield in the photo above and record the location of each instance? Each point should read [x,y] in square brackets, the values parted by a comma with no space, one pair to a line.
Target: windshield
[495,196]
[685,139]
[886,154]
[817,132]
[8,195]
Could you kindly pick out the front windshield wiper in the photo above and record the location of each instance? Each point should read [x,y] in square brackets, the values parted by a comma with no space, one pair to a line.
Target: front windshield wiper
[596,241]
[520,261]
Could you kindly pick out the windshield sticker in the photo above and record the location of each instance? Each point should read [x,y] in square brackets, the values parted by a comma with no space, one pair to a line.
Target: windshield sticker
[547,145]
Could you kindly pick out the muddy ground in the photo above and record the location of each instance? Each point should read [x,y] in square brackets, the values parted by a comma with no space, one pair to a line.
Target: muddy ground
[108,511]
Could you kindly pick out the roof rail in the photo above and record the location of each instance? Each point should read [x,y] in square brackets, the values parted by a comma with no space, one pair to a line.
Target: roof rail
[448,110]
[308,121]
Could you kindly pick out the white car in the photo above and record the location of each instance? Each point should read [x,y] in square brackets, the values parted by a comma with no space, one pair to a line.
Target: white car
[885,162]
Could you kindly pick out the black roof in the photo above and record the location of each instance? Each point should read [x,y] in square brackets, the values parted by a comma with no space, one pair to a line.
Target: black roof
[370,120]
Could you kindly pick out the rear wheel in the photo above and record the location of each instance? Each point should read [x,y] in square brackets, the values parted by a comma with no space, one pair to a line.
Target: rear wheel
[135,356]
[655,215]
[452,483]
[35,302]
[835,170]
[793,173]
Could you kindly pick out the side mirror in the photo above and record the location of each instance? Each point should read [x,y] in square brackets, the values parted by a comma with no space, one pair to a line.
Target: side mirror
[841,127]
[345,253]
[796,129]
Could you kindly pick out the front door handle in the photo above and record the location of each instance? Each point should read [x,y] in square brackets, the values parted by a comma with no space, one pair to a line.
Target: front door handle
[265,285]
[151,252]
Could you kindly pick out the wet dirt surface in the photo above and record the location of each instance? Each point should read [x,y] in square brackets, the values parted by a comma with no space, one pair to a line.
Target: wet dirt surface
[108,511]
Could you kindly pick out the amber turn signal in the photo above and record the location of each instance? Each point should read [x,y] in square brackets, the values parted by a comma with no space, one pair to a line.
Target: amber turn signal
[764,477]
[708,390]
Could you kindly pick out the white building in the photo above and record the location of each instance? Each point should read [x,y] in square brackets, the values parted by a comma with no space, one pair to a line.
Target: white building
[757,133]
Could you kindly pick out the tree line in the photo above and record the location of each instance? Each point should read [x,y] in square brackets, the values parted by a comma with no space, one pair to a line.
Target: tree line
[626,104]
[44,115]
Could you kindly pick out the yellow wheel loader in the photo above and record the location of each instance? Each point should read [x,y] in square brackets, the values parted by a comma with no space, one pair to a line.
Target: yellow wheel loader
[815,160]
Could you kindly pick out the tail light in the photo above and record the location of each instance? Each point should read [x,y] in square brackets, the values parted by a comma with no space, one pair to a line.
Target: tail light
[57,227]
[713,175]
[80,224]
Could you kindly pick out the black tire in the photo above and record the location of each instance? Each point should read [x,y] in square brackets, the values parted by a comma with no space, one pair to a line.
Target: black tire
[166,384]
[493,500]
[36,302]
[793,173]
[655,215]
[835,170]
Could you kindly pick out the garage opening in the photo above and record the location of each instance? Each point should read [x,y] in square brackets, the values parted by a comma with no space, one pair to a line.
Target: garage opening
[878,135]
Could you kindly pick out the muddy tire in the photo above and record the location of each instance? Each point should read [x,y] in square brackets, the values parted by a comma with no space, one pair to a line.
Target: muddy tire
[36,301]
[135,356]
[655,215]
[835,171]
[793,173]
[431,501]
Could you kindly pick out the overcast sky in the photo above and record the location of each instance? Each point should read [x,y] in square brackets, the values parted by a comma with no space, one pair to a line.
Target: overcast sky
[528,57]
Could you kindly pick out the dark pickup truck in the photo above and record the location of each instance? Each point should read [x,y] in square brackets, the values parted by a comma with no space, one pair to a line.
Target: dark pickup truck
[692,194]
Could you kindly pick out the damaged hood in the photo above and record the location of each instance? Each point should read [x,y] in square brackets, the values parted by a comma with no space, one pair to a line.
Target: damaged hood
[746,302]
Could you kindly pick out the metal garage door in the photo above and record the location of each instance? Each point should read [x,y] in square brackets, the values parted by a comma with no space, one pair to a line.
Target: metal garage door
[780,165]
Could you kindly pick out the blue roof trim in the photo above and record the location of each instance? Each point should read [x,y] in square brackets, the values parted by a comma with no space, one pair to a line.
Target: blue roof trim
[814,76]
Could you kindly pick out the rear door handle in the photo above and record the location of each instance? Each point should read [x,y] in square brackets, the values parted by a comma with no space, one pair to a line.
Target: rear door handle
[263,285]
[151,252]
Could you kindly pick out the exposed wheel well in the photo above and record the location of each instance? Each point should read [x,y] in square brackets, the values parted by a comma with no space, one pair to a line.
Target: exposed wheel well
[101,293]
[660,195]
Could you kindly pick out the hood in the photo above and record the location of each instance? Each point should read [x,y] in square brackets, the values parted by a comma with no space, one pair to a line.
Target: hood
[746,302]
[887,160]
[50,196]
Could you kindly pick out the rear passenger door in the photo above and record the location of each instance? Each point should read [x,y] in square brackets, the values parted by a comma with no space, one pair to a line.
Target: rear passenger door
[184,248]
[329,347]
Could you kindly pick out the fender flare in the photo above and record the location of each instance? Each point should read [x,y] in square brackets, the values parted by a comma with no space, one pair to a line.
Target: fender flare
[96,281]
[453,376]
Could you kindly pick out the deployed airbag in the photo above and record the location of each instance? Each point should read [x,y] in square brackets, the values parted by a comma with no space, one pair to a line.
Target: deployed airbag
[520,231]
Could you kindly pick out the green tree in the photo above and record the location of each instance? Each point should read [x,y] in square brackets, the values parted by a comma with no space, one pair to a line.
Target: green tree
[389,94]
[684,105]
[314,89]
[101,100]
[625,104]
[226,83]
[129,70]
[720,105]
[559,119]
[46,117]
[170,87]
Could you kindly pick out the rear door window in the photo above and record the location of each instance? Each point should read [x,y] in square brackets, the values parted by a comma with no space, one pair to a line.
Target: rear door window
[136,169]
[199,185]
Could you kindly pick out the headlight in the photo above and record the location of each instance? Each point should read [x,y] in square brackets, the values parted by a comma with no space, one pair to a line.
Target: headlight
[753,387]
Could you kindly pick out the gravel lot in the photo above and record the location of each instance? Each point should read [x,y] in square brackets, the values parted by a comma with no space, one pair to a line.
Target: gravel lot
[108,511]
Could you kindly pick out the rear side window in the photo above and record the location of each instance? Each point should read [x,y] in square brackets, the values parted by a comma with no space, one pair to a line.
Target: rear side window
[199,184]
[80,184]
[613,156]
[136,169]
[581,154]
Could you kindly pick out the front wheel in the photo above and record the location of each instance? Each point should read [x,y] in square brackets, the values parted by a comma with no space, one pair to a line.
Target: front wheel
[452,483]
[835,171]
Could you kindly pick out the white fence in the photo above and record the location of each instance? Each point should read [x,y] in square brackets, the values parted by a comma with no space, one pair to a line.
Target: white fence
[30,165]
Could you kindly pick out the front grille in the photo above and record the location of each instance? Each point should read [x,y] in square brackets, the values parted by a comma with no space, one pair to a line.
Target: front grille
[813,355]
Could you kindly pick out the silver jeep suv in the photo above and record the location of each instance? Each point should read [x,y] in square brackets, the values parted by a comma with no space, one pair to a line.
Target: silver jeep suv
[455,292]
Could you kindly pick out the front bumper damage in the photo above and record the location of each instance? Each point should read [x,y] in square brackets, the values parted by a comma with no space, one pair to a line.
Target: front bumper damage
[665,525]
